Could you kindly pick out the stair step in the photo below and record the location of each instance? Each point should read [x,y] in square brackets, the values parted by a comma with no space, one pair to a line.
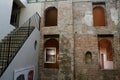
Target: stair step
[13,39]
[6,52]
[18,36]
[19,33]
[5,57]
[11,42]
[8,49]
[2,68]
[12,46]
[14,36]
[26,27]
[25,30]
[3,62]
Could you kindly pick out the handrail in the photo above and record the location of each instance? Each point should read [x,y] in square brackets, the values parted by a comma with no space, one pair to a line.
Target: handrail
[33,21]
[6,49]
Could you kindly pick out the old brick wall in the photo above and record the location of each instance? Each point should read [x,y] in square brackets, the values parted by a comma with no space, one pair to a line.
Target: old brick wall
[86,39]
[64,29]
[77,36]
[65,25]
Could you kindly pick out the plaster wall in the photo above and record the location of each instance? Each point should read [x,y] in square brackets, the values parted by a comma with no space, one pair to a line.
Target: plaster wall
[29,11]
[26,57]
[5,15]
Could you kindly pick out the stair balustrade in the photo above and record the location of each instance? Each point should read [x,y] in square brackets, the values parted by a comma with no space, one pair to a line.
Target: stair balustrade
[11,44]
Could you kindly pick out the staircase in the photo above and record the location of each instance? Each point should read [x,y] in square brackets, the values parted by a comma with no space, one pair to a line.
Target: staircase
[11,44]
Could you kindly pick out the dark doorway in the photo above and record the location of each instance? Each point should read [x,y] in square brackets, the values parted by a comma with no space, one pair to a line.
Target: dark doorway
[15,15]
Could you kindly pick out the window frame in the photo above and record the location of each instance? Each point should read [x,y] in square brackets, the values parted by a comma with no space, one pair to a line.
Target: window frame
[45,53]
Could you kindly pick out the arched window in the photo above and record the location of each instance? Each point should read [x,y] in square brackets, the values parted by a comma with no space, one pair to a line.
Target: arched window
[99,16]
[51,16]
[88,58]
[21,77]
[105,54]
[51,49]
[30,75]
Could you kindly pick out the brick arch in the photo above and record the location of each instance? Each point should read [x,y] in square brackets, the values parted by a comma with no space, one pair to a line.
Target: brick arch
[52,43]
[51,16]
[106,44]
[88,57]
[99,16]
[106,53]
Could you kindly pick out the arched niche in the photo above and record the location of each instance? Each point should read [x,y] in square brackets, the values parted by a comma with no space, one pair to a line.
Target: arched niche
[51,16]
[99,16]
[88,57]
[51,52]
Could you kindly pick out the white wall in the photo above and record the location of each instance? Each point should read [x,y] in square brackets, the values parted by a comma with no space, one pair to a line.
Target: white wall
[29,11]
[24,2]
[5,15]
[26,57]
[107,64]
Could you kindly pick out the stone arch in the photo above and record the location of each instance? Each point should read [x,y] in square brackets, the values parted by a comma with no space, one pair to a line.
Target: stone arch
[51,44]
[51,16]
[99,16]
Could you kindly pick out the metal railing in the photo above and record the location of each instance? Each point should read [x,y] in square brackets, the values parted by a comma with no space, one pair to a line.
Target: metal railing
[9,47]
[33,21]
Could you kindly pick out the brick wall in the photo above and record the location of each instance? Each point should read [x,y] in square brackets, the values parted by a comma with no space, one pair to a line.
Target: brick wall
[77,35]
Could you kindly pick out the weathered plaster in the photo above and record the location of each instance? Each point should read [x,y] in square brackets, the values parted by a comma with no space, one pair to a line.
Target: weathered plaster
[114,15]
[88,18]
[77,35]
